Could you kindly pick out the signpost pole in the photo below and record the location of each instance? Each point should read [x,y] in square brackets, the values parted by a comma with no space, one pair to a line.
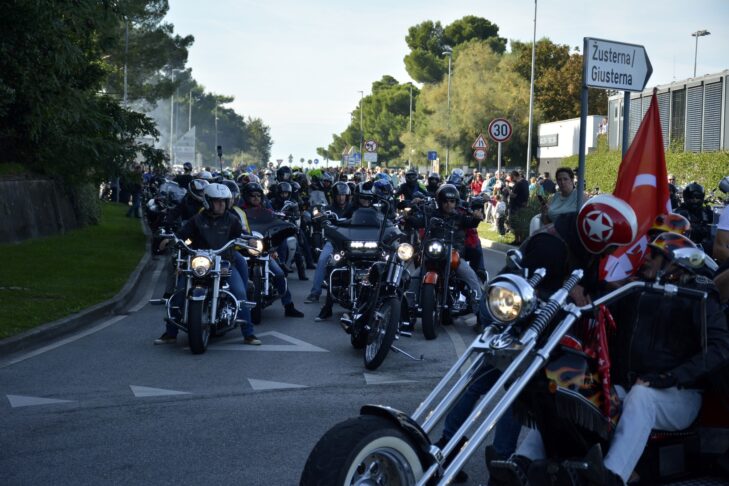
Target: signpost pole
[583,127]
[626,121]
[498,161]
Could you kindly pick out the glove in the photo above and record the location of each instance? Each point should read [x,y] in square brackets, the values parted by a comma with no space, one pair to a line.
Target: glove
[659,380]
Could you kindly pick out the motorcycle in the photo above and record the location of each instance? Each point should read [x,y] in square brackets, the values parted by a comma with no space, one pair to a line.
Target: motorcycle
[377,299]
[268,232]
[169,195]
[527,342]
[290,212]
[442,295]
[205,306]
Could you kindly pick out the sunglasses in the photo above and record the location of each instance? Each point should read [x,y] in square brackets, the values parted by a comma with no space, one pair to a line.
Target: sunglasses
[258,196]
[450,200]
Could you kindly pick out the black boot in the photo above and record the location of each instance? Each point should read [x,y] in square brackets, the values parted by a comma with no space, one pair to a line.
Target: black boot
[325,312]
[592,469]
[291,311]
[511,472]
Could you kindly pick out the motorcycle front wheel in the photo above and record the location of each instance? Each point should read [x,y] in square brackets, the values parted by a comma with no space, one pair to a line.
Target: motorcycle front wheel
[198,333]
[361,451]
[429,305]
[382,332]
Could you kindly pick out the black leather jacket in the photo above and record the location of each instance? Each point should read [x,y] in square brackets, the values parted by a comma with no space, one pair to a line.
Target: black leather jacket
[656,334]
[208,232]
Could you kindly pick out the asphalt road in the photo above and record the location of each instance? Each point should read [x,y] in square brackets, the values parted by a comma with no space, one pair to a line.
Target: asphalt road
[106,406]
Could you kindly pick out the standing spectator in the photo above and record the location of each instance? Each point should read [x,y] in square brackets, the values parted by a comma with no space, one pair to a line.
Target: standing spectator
[535,188]
[673,192]
[135,188]
[548,185]
[518,198]
[564,200]
[476,184]
[500,215]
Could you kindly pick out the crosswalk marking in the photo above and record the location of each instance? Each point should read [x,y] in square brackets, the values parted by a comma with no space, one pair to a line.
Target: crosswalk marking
[259,385]
[295,345]
[26,401]
[145,391]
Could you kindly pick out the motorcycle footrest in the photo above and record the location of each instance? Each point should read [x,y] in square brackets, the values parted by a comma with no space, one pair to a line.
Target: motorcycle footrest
[157,301]
[246,303]
[406,333]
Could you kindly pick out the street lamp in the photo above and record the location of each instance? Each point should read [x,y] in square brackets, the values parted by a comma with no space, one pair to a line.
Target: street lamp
[531,96]
[410,162]
[361,127]
[447,51]
[697,34]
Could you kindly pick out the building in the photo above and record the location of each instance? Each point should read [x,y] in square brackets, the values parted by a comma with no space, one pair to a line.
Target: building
[693,114]
[561,139]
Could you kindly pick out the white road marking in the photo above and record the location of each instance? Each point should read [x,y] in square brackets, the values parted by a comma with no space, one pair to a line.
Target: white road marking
[260,385]
[383,379]
[295,345]
[145,391]
[25,401]
[62,342]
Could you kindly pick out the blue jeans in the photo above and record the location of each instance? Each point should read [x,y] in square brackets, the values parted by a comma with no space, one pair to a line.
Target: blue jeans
[507,428]
[136,205]
[237,281]
[321,267]
[279,280]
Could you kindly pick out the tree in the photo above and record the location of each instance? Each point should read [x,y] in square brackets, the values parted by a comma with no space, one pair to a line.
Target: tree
[425,62]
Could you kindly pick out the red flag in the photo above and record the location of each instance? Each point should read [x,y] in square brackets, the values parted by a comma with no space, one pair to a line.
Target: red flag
[643,183]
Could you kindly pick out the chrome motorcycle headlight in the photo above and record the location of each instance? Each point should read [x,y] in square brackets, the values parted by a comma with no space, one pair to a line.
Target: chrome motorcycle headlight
[201,265]
[510,298]
[405,251]
[434,249]
[257,247]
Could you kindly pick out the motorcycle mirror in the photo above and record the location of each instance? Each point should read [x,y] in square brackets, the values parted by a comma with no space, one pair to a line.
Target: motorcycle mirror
[514,258]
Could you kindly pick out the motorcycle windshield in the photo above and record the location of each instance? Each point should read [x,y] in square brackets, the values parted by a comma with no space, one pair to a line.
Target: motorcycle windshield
[172,191]
[263,221]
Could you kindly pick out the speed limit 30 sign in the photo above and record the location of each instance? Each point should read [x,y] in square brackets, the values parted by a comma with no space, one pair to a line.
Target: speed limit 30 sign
[500,130]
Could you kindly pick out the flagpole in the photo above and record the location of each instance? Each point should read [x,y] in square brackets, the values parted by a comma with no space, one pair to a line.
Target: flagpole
[583,128]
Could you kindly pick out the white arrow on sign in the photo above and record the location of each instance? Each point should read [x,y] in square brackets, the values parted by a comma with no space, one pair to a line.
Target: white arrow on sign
[616,65]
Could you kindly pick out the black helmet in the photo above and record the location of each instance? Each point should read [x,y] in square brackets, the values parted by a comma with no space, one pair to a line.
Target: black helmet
[187,167]
[284,187]
[197,188]
[447,191]
[357,177]
[341,189]
[326,177]
[433,179]
[693,195]
[724,185]
[234,189]
[411,176]
[295,187]
[364,190]
[251,188]
[283,173]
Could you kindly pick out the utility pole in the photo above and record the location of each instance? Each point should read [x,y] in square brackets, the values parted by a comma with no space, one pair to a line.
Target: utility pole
[361,128]
[189,113]
[126,51]
[410,148]
[531,96]
[172,124]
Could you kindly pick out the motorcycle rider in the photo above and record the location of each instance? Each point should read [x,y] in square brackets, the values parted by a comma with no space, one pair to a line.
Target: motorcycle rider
[660,354]
[185,178]
[213,228]
[253,201]
[447,198]
[343,209]
[410,188]
[433,184]
[284,194]
[698,215]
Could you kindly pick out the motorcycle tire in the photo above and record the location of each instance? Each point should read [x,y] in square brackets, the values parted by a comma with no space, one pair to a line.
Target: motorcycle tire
[430,316]
[198,333]
[257,295]
[363,450]
[382,333]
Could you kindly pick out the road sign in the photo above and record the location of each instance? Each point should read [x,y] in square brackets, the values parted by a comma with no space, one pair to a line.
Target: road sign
[370,157]
[316,161]
[616,65]
[479,154]
[500,130]
[357,157]
[370,146]
[480,142]
[432,155]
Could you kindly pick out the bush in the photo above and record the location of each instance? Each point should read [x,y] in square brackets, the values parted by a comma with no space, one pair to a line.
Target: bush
[706,168]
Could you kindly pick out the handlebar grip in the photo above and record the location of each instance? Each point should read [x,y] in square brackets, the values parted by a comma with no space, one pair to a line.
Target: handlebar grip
[694,293]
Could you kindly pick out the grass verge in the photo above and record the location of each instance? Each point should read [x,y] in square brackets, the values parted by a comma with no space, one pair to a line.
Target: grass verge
[49,278]
[485,230]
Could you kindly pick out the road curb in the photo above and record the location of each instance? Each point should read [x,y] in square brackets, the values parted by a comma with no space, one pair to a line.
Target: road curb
[495,245]
[44,333]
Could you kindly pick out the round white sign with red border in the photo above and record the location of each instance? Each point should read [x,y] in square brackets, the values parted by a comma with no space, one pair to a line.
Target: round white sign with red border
[500,130]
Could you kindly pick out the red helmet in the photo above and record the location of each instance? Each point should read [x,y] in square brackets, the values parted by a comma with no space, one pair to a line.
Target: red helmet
[604,221]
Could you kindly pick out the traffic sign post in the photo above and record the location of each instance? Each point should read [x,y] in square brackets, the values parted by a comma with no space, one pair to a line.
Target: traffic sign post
[370,146]
[610,65]
[500,131]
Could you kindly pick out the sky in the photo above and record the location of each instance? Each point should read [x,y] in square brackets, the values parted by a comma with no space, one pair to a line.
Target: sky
[299,64]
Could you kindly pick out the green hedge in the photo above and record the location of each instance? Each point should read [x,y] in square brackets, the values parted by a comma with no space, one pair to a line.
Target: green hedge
[707,169]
